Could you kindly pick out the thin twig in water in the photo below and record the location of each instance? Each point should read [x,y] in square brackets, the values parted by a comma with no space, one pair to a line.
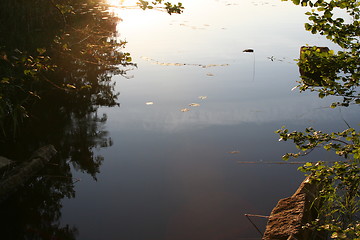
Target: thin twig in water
[249,162]
[256,215]
[342,117]
[52,83]
[65,177]
[248,217]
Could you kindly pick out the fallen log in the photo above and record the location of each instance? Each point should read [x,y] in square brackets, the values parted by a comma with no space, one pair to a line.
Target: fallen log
[21,173]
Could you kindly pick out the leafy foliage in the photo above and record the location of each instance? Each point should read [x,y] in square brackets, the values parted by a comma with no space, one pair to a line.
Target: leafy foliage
[170,8]
[76,59]
[56,63]
[345,143]
[51,84]
[332,74]
[41,39]
[339,198]
[19,82]
[341,76]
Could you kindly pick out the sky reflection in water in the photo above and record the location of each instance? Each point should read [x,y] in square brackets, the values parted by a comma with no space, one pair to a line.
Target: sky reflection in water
[170,174]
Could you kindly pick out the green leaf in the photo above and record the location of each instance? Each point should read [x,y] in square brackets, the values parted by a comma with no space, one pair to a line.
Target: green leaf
[27,72]
[308,164]
[327,14]
[333,105]
[41,50]
[340,235]
[70,86]
[327,147]
[307,26]
[5,80]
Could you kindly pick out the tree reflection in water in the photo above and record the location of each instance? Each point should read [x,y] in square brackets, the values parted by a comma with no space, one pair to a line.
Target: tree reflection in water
[75,36]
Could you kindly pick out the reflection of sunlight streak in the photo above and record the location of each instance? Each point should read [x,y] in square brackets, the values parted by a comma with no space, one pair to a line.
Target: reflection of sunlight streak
[117,7]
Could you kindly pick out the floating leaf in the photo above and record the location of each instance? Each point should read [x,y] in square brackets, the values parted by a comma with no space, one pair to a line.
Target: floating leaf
[194,105]
[234,152]
[183,64]
[214,65]
[202,97]
[210,74]
[184,110]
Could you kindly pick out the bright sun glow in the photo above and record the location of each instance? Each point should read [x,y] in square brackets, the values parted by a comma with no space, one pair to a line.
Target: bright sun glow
[121,2]
[132,15]
[116,6]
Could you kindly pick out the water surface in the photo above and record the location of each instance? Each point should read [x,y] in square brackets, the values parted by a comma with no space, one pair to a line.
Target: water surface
[177,175]
[191,114]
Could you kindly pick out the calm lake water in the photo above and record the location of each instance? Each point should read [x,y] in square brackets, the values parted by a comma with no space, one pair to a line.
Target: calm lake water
[194,134]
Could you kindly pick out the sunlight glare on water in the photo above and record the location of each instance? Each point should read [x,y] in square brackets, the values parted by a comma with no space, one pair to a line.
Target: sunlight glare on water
[120,9]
